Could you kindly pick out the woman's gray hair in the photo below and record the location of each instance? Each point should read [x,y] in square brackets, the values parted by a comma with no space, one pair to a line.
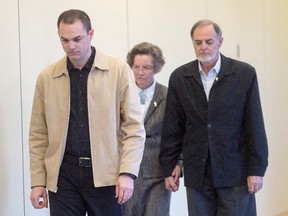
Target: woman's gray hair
[149,49]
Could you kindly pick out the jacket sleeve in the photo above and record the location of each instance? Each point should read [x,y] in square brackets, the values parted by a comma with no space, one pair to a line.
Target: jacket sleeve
[173,130]
[38,137]
[131,125]
[255,133]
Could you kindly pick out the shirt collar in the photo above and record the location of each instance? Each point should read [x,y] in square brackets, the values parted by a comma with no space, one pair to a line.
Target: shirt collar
[89,63]
[216,68]
[149,91]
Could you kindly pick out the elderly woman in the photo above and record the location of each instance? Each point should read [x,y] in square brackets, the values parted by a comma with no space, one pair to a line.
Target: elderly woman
[150,197]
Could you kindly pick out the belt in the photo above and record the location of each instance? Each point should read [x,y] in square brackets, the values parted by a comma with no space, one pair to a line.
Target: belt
[80,161]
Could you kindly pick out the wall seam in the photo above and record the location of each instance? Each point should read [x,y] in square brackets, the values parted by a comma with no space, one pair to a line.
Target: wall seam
[21,107]
[127,25]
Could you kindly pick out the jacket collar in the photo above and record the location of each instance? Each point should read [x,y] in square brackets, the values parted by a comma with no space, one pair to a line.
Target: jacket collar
[158,97]
[100,62]
[60,68]
[192,69]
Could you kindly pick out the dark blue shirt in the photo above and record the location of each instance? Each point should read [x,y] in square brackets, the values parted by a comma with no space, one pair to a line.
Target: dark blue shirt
[78,140]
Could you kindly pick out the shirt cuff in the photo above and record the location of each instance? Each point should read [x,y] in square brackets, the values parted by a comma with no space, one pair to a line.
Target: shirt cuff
[128,174]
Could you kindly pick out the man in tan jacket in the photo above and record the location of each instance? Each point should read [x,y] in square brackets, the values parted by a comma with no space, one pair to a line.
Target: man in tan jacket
[86,136]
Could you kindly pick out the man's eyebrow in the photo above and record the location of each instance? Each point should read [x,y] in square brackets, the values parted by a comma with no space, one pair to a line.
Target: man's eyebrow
[200,41]
[75,38]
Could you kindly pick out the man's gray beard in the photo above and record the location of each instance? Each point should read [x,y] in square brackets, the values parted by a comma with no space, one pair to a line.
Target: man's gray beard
[205,60]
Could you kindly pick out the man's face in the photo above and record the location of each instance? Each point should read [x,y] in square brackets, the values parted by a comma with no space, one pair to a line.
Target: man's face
[143,69]
[206,44]
[76,42]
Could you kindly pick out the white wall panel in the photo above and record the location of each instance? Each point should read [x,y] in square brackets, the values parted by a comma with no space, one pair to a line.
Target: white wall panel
[242,23]
[273,199]
[11,170]
[167,24]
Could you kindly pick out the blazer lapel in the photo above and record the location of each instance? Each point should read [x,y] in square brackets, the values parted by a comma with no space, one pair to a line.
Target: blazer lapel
[156,100]
[193,71]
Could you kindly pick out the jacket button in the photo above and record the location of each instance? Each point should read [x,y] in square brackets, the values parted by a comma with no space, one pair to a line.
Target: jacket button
[209,125]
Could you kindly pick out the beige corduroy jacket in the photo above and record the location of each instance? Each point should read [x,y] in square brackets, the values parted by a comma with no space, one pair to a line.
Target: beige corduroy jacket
[117,134]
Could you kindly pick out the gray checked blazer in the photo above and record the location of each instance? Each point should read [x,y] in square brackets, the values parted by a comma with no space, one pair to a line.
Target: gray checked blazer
[153,122]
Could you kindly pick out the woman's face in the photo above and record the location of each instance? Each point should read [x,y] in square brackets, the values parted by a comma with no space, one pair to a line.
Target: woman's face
[143,69]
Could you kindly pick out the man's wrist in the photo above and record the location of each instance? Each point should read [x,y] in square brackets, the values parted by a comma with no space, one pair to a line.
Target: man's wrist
[128,174]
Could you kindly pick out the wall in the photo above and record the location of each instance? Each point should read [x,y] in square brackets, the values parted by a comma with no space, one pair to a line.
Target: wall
[273,199]
[11,142]
[29,42]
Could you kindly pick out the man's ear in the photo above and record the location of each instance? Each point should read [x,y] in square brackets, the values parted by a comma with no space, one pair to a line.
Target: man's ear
[91,33]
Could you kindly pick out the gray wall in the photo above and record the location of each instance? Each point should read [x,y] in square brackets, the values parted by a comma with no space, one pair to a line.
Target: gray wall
[254,31]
